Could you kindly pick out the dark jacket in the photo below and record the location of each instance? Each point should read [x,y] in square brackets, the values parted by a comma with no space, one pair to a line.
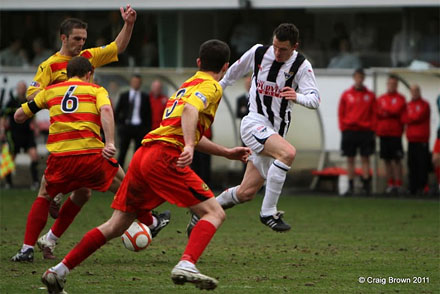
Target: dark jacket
[123,108]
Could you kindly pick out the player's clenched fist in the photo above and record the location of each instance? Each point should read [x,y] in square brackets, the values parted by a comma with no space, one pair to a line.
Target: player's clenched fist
[288,93]
[239,153]
[109,151]
[186,156]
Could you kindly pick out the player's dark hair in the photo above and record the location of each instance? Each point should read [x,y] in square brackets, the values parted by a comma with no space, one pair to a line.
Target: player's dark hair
[213,55]
[287,32]
[69,24]
[359,71]
[393,76]
[78,67]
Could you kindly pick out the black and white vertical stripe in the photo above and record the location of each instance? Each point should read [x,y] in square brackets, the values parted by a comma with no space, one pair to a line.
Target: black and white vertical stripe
[276,109]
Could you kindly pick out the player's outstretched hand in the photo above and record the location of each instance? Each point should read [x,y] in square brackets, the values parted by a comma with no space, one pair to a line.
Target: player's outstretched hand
[109,150]
[239,153]
[129,15]
[185,157]
[288,93]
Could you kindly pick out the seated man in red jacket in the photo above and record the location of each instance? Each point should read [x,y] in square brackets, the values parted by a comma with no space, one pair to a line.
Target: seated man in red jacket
[417,118]
[390,108]
[357,119]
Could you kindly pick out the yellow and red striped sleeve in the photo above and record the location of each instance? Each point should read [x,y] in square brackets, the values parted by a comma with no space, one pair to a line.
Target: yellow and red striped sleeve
[103,55]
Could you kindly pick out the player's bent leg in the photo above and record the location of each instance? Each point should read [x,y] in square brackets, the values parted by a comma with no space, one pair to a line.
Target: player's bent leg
[250,185]
[284,154]
[117,224]
[36,221]
[55,277]
[212,216]
[117,180]
[280,149]
[55,205]
[68,212]
[55,202]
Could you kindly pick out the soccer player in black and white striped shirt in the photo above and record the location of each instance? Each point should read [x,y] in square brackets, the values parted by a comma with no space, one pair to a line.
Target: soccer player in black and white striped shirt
[281,78]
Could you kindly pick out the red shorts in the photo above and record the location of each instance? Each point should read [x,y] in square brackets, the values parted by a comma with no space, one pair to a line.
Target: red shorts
[437,146]
[65,174]
[153,178]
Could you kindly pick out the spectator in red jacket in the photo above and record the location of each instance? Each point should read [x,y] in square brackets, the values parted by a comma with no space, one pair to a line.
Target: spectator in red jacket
[357,120]
[417,116]
[390,108]
[436,151]
[158,102]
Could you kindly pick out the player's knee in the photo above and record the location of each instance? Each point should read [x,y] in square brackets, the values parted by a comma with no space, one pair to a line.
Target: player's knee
[220,215]
[287,155]
[81,196]
[86,194]
[45,196]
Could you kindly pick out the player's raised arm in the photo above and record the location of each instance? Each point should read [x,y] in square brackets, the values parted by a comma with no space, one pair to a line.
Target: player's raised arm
[237,153]
[190,116]
[240,68]
[124,36]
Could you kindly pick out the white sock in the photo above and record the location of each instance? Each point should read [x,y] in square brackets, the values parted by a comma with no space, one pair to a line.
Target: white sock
[51,237]
[61,269]
[154,224]
[228,198]
[187,265]
[276,175]
[26,247]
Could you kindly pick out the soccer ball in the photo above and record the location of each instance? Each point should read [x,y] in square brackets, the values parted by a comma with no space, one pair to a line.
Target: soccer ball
[137,237]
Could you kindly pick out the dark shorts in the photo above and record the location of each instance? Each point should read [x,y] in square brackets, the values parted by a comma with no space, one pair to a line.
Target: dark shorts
[391,148]
[354,140]
[24,142]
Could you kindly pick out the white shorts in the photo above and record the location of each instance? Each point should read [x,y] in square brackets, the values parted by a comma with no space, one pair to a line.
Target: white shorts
[255,129]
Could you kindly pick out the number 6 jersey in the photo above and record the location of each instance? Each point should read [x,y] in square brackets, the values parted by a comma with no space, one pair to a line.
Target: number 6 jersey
[75,120]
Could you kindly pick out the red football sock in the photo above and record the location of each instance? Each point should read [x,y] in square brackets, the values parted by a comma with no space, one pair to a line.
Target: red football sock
[200,236]
[398,183]
[91,242]
[36,220]
[437,173]
[67,214]
[145,217]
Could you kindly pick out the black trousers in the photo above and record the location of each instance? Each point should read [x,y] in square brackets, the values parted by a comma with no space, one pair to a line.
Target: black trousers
[418,166]
[126,135]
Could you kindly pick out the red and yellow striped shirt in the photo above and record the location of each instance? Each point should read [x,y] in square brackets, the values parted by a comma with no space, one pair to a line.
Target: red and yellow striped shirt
[75,121]
[53,69]
[203,92]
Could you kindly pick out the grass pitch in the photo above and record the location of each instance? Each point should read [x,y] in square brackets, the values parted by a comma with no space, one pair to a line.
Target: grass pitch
[334,244]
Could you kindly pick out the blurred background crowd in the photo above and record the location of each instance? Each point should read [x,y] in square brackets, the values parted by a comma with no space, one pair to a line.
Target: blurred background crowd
[333,38]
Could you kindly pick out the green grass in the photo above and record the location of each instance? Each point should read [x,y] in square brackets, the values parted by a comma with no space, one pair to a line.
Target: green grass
[334,241]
